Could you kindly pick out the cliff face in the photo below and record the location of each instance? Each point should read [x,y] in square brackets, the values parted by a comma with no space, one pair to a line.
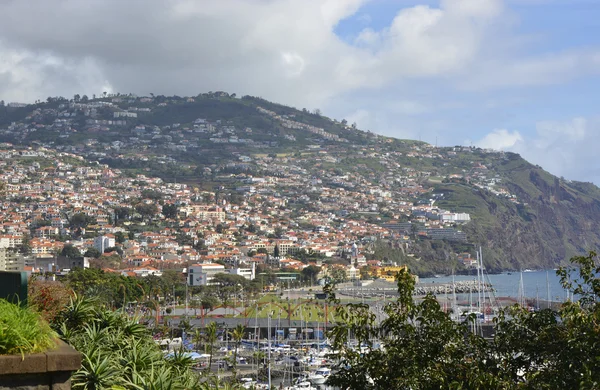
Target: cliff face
[553,221]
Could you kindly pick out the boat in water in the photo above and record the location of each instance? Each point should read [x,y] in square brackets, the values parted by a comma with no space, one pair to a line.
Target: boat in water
[302,386]
[319,377]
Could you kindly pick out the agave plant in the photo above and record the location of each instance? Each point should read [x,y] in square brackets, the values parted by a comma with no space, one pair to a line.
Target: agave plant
[77,313]
[119,352]
[97,372]
[108,318]
[132,327]
[180,360]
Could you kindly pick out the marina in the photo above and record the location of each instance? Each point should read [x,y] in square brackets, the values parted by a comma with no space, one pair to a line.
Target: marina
[294,353]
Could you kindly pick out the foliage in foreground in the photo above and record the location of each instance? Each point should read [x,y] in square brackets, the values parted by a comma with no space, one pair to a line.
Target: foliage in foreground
[22,330]
[423,348]
[118,352]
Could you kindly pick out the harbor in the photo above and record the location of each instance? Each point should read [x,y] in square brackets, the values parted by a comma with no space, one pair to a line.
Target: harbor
[286,342]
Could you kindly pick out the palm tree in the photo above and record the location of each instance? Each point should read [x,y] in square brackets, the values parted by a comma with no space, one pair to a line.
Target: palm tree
[197,338]
[211,337]
[237,334]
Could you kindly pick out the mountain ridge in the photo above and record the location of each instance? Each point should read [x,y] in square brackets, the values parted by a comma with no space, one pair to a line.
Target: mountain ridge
[523,216]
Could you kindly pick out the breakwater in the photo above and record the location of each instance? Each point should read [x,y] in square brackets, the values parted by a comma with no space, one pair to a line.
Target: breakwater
[462,287]
[379,289]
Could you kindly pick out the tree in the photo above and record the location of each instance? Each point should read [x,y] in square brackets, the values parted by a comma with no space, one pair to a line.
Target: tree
[276,251]
[92,252]
[122,213]
[151,194]
[207,303]
[237,334]
[70,251]
[211,338]
[310,273]
[227,285]
[278,232]
[25,247]
[80,220]
[423,348]
[338,275]
[120,237]
[146,210]
[169,211]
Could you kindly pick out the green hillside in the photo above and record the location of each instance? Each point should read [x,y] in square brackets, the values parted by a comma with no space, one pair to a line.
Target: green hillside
[521,215]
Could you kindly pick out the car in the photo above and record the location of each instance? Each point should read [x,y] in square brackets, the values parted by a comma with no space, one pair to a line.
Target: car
[223,365]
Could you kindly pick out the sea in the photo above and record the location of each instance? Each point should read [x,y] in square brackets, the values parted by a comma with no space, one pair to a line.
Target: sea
[507,284]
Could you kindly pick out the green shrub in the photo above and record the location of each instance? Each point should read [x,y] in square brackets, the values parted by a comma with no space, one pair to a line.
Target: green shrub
[118,352]
[23,330]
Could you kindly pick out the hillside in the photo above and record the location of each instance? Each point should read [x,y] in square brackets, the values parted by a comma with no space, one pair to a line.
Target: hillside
[520,214]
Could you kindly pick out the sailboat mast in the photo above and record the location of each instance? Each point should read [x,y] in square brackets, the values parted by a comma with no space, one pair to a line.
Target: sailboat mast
[269,342]
[483,288]
[521,292]
[455,311]
[548,289]
[479,280]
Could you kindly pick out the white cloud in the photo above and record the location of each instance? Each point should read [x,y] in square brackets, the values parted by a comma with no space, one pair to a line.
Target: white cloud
[564,132]
[548,69]
[564,148]
[501,139]
[286,51]
[430,59]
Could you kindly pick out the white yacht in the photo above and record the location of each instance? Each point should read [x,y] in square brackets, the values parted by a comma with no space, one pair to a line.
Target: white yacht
[319,376]
[302,386]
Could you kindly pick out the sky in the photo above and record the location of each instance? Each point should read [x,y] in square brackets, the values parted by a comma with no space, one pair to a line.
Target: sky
[514,75]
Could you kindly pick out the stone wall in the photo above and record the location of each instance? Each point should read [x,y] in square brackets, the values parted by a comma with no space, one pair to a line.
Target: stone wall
[50,370]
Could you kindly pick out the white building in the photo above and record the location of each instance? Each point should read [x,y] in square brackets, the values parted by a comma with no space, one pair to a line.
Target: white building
[202,274]
[455,217]
[124,114]
[248,273]
[103,242]
[141,272]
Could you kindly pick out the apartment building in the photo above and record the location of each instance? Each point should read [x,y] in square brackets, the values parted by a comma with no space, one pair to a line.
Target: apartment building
[202,274]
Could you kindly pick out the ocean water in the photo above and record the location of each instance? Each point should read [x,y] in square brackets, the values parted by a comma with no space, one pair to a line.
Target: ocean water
[507,285]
